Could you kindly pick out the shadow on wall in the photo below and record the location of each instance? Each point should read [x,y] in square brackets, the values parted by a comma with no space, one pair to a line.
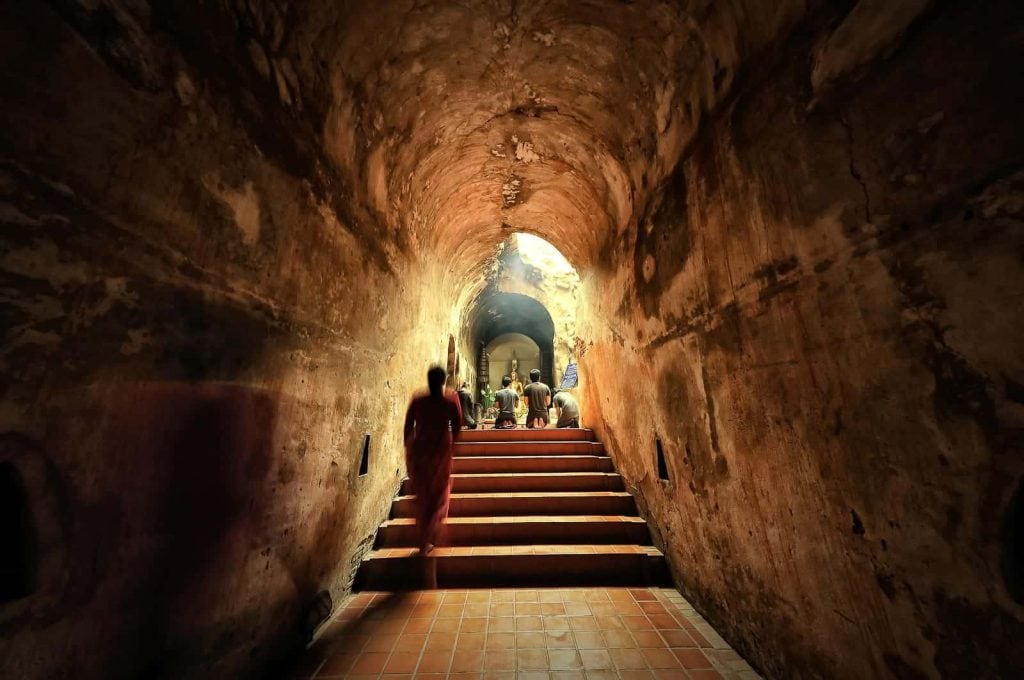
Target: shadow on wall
[179,541]
[209,446]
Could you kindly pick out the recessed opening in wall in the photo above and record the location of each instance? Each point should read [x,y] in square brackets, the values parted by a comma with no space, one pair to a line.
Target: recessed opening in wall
[450,365]
[662,466]
[364,459]
[1013,545]
[18,558]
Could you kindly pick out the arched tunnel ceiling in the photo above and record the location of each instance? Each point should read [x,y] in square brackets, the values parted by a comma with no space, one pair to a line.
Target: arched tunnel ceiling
[459,122]
[498,314]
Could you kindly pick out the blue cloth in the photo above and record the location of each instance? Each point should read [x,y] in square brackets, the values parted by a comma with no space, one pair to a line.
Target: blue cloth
[570,378]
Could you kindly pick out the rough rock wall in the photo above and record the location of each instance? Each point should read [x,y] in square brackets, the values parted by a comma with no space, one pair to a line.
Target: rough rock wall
[473,119]
[197,337]
[820,318]
[220,216]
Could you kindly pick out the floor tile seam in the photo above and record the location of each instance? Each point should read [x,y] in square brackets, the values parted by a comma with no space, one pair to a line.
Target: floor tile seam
[394,650]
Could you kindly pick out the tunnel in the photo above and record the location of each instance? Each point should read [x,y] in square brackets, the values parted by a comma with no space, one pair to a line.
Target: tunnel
[788,290]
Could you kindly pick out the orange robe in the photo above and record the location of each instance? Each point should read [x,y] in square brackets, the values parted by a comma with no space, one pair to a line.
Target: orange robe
[431,427]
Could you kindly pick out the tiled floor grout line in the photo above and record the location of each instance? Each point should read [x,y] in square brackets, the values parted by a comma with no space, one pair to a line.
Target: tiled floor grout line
[605,610]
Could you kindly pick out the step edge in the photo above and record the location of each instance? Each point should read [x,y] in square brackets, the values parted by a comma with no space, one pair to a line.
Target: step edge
[648,551]
[526,519]
[531,442]
[530,494]
[563,456]
[532,474]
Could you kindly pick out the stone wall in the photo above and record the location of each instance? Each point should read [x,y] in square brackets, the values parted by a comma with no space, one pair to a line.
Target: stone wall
[198,336]
[235,234]
[820,320]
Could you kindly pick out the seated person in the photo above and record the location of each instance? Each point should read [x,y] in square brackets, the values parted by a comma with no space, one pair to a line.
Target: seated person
[567,409]
[506,400]
[466,400]
[538,401]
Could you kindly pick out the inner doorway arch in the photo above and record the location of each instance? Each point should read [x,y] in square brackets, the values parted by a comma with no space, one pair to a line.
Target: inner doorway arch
[499,314]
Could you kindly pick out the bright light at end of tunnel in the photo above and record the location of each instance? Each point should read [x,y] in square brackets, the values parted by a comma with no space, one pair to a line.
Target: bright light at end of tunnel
[538,252]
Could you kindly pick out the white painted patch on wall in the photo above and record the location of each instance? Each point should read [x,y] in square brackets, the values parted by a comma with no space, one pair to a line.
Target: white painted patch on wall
[547,39]
[526,153]
[650,266]
[510,191]
[664,96]
[184,88]
[377,180]
[244,205]
[137,339]
[44,262]
[23,335]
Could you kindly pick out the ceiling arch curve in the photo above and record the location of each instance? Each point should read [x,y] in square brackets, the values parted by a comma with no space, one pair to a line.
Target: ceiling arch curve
[496,314]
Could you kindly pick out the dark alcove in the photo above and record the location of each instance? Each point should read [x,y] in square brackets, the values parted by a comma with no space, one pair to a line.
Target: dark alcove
[18,550]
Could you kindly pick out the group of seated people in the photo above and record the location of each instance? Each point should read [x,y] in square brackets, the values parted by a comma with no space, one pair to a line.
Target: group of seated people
[539,400]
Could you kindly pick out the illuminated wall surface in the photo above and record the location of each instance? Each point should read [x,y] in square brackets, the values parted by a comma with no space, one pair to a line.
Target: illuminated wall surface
[783,238]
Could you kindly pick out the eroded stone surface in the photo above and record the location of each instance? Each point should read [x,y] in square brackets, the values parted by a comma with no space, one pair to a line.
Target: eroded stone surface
[234,235]
[831,344]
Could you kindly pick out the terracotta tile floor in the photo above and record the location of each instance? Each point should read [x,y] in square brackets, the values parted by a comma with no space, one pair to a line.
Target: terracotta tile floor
[546,634]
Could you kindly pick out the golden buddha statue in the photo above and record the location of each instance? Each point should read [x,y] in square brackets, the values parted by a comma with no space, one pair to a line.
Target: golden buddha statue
[517,385]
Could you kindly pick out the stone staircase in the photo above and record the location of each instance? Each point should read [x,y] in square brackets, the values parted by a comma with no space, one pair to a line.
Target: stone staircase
[528,508]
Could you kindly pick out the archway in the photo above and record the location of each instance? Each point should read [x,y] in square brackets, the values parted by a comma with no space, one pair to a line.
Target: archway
[505,349]
[511,314]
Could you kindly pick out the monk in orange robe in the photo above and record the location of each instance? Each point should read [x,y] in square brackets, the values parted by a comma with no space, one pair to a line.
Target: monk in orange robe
[431,428]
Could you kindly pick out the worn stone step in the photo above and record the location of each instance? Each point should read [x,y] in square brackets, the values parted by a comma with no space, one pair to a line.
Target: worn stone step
[526,434]
[529,448]
[515,566]
[532,481]
[528,508]
[481,464]
[523,530]
[529,503]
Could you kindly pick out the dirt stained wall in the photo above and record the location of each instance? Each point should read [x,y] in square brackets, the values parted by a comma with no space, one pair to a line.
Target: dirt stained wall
[219,223]
[819,320]
[196,343]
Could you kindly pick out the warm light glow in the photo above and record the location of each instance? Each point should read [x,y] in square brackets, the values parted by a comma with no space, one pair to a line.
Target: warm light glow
[541,254]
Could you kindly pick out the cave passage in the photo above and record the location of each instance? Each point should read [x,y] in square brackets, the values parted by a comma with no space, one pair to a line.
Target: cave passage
[773,248]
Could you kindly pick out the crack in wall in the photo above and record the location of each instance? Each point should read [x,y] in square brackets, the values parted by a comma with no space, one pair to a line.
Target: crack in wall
[854,172]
